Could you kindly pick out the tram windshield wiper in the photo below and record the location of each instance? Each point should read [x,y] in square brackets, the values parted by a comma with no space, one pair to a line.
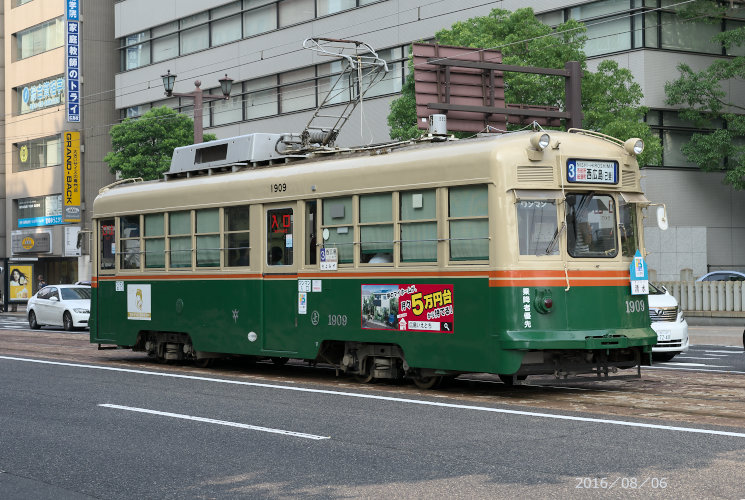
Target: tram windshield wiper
[555,239]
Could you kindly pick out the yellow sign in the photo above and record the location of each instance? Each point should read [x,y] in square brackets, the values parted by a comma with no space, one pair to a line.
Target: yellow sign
[28,243]
[20,282]
[24,153]
[72,178]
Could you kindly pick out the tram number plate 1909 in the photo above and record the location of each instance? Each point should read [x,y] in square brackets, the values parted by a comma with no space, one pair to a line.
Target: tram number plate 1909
[592,171]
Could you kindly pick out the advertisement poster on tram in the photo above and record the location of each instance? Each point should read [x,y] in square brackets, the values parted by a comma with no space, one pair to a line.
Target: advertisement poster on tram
[410,308]
[20,279]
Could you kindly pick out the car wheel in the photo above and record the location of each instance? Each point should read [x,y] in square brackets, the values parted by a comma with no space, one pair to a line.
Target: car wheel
[32,321]
[664,356]
[67,321]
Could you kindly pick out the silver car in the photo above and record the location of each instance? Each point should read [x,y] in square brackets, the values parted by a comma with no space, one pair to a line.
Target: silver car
[68,306]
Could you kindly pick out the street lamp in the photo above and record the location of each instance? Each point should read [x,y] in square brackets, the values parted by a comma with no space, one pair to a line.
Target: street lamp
[226,85]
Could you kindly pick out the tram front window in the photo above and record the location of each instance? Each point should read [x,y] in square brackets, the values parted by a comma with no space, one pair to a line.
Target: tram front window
[537,228]
[591,225]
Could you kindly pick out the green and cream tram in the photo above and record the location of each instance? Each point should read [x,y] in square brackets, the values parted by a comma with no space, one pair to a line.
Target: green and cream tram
[507,254]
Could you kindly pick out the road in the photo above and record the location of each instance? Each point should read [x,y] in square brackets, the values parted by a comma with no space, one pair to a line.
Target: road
[81,423]
[78,430]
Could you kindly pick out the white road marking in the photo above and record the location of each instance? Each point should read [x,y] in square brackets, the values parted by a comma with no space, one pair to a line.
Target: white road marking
[724,352]
[656,367]
[671,363]
[388,398]
[213,421]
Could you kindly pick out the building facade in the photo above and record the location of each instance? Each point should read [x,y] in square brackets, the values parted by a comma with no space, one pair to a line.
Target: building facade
[277,85]
[59,66]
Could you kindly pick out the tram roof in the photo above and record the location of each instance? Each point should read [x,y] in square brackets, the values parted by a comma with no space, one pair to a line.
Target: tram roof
[377,168]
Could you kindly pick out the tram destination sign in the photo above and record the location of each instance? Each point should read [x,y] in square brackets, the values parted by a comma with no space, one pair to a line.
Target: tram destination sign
[592,171]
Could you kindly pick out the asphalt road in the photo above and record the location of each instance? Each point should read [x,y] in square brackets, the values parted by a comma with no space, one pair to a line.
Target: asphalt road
[72,430]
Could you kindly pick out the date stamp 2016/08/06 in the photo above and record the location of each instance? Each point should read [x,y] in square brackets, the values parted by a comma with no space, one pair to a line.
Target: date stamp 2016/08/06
[620,482]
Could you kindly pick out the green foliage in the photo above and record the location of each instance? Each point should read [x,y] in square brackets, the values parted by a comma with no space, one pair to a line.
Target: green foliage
[704,101]
[610,97]
[142,147]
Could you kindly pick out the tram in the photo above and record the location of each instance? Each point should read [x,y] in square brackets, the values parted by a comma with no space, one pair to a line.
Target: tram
[507,254]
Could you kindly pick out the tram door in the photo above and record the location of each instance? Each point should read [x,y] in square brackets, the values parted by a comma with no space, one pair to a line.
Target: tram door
[280,279]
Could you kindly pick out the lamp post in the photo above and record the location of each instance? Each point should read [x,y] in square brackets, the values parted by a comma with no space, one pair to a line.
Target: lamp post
[226,85]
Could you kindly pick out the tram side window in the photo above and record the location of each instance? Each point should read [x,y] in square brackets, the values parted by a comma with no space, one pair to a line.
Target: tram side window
[591,223]
[628,228]
[279,238]
[538,231]
[107,248]
[418,211]
[179,239]
[338,227]
[237,241]
[154,241]
[376,228]
[468,216]
[130,242]
[208,237]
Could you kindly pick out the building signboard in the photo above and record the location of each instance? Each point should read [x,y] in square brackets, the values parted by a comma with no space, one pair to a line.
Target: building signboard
[42,94]
[71,177]
[40,211]
[72,60]
[30,242]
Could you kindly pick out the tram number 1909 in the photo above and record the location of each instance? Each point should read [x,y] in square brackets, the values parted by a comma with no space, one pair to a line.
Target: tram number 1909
[337,320]
[635,306]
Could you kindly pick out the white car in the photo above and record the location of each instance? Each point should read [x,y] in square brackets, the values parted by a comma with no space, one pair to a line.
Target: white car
[68,306]
[668,322]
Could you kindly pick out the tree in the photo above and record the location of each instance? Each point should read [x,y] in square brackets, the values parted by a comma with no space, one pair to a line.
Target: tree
[610,98]
[704,100]
[143,147]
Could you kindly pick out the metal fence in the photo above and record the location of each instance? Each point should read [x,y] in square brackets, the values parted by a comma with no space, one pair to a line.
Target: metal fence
[708,295]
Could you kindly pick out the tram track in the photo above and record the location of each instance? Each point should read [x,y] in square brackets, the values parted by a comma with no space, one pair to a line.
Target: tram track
[685,397]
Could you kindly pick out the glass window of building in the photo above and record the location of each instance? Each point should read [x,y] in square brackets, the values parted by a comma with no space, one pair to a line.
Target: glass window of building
[326,7]
[38,153]
[40,94]
[295,11]
[237,247]
[418,213]
[678,34]
[259,16]
[226,24]
[165,41]
[336,87]
[300,95]
[226,110]
[195,33]
[40,38]
[469,224]
[136,50]
[608,35]
[261,97]
[392,81]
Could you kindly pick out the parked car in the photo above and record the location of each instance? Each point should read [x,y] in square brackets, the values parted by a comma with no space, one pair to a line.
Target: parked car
[669,323]
[723,276]
[68,306]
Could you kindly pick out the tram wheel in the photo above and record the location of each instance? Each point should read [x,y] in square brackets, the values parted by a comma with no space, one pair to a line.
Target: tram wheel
[426,383]
[204,362]
[280,361]
[508,380]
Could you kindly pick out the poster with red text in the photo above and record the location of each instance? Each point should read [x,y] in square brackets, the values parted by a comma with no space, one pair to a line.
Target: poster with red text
[408,308]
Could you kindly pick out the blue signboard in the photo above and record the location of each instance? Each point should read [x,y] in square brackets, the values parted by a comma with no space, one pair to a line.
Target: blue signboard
[49,220]
[592,171]
[639,275]
[72,49]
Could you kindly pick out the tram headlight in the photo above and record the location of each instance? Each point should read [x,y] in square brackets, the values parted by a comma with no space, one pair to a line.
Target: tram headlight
[540,141]
[634,146]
